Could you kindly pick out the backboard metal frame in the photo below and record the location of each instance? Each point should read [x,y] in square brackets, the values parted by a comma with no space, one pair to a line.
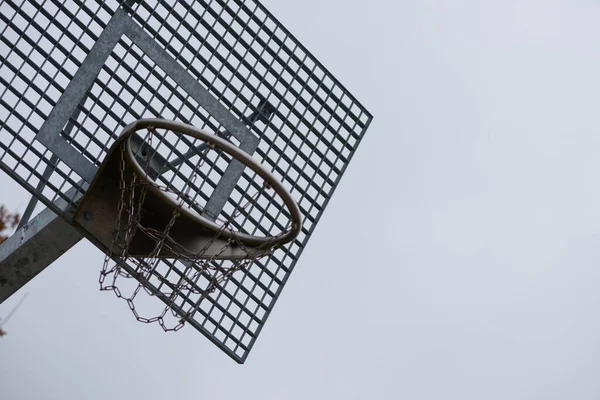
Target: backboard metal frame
[228,64]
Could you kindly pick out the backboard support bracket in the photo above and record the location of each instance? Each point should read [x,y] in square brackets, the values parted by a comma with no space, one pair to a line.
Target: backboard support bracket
[32,248]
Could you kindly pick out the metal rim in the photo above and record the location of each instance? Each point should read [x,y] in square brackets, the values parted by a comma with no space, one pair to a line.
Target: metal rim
[235,152]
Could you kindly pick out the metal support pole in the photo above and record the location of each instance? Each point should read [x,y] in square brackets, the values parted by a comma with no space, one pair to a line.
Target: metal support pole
[32,248]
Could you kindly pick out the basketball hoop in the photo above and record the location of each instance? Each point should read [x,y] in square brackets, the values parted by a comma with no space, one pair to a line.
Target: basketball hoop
[141,221]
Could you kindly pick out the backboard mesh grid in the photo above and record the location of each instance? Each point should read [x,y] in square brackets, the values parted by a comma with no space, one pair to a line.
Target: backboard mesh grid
[307,124]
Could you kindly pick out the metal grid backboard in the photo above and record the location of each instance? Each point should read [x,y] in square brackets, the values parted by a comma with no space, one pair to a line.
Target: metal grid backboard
[74,73]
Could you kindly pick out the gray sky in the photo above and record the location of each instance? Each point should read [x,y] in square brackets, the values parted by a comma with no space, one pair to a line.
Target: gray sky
[458,259]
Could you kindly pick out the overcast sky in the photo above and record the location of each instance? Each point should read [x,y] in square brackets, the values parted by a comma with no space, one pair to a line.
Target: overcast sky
[458,259]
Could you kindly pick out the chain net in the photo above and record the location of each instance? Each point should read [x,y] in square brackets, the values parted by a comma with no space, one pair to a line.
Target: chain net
[131,278]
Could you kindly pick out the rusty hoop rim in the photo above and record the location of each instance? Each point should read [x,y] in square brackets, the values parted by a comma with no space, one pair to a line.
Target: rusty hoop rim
[240,155]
